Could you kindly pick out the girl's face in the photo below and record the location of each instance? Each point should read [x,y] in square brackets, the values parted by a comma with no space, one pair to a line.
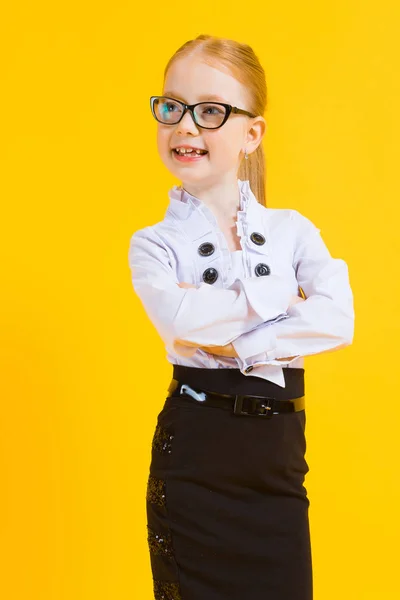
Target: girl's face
[191,80]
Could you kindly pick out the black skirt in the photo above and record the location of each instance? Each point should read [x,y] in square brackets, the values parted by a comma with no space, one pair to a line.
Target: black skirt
[227,511]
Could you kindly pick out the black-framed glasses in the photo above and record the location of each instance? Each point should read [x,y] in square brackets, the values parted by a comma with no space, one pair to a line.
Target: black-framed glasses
[207,115]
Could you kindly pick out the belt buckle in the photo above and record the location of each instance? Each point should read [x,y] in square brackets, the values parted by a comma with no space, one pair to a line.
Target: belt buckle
[260,406]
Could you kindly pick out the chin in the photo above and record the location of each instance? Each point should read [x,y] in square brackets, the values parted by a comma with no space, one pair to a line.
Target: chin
[189,172]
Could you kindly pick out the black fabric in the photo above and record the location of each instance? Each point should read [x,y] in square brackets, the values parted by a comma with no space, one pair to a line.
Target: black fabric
[232,381]
[248,403]
[226,504]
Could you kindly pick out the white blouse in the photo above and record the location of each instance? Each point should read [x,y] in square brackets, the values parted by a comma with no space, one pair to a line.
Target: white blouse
[241,297]
[271,373]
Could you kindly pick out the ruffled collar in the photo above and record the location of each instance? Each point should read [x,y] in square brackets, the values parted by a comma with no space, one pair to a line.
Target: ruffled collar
[198,222]
[182,203]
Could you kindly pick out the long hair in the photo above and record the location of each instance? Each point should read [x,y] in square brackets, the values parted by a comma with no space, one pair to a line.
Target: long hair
[244,65]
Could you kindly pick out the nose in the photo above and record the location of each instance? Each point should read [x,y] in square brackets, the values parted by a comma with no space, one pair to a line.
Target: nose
[187,124]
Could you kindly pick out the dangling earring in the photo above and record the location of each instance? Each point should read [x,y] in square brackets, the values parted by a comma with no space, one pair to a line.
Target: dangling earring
[245,154]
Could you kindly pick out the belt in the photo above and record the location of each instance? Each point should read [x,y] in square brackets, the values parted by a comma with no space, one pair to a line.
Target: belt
[248,405]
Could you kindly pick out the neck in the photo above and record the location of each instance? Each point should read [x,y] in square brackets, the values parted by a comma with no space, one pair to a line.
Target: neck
[222,199]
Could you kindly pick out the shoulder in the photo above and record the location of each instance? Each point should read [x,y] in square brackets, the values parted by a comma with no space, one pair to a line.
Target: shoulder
[301,220]
[161,234]
[147,232]
[141,236]
[155,230]
[301,223]
[146,241]
[288,219]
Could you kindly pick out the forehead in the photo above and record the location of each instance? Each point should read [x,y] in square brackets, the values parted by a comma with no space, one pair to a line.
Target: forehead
[191,80]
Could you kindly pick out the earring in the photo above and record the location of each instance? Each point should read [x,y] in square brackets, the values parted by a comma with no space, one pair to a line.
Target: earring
[245,154]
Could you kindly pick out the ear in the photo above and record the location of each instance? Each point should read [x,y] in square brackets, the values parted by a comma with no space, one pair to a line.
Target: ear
[255,133]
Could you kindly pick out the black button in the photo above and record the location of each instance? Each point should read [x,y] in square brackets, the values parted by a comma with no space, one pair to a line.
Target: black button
[206,249]
[262,269]
[257,238]
[248,369]
[210,275]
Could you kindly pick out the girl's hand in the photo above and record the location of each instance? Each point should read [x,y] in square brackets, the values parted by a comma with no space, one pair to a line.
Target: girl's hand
[294,300]
[228,350]
[186,285]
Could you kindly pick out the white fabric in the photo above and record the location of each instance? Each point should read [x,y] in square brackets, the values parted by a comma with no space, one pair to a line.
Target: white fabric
[239,307]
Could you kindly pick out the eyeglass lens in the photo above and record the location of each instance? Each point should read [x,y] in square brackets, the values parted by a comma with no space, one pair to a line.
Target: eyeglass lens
[207,114]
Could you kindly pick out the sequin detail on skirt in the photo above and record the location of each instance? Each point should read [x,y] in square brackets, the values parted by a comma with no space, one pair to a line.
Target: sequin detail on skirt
[162,440]
[166,590]
[156,491]
[160,543]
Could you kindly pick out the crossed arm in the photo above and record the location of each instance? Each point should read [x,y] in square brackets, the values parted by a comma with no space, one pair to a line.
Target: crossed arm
[321,321]
[228,350]
[256,320]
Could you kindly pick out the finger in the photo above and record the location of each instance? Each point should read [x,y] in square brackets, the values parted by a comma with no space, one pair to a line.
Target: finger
[183,284]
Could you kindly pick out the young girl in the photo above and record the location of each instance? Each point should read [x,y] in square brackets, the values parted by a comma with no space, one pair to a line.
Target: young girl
[239,293]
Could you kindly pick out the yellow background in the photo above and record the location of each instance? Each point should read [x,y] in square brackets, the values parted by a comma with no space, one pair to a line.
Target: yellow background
[83,372]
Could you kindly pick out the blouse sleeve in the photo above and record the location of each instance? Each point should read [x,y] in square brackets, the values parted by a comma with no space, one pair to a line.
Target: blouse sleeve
[205,315]
[322,323]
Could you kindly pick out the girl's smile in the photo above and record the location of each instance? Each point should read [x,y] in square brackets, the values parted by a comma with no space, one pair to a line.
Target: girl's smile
[188,157]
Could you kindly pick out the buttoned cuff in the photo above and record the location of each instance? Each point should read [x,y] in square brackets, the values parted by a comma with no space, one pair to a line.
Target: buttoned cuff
[259,365]
[247,365]
[258,348]
[263,371]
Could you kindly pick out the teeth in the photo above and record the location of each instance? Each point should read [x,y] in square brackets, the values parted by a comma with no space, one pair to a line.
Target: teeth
[188,150]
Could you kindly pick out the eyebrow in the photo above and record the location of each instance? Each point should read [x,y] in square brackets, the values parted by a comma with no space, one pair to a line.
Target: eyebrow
[206,97]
